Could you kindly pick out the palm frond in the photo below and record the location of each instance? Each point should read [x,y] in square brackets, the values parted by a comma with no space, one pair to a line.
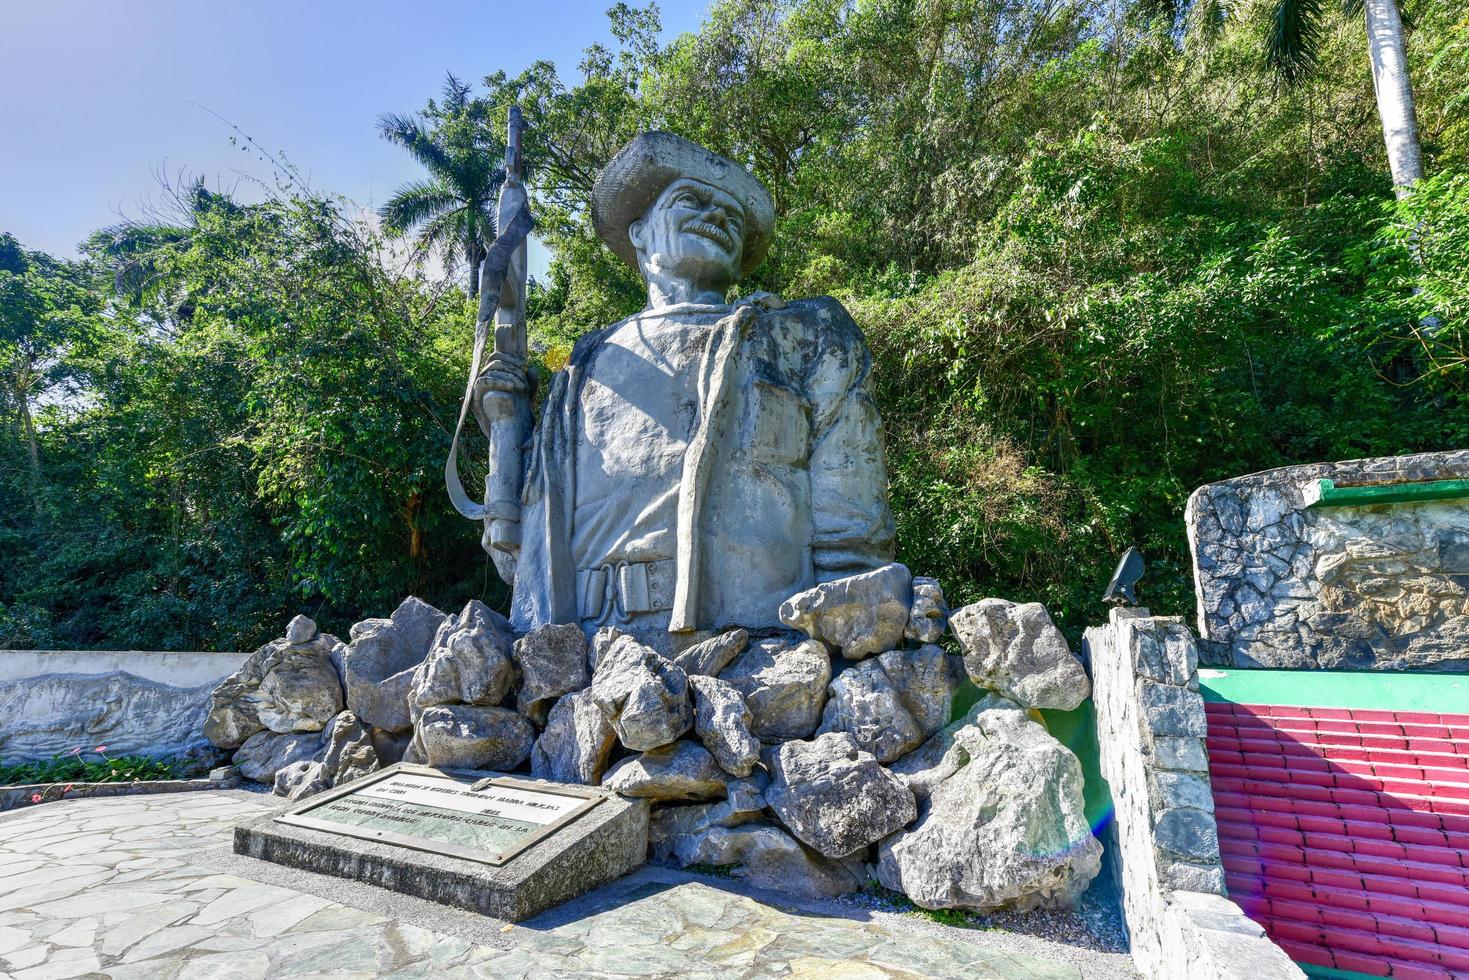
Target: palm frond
[416,203]
[410,133]
[1295,29]
[1351,8]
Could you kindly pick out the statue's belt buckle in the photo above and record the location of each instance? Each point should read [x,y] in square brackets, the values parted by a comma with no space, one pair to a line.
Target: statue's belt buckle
[623,589]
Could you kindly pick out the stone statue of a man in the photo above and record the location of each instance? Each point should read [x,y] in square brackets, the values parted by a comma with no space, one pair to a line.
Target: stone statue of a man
[699,462]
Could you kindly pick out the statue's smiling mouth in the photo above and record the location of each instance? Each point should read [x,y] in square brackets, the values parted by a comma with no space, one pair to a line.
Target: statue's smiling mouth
[712,232]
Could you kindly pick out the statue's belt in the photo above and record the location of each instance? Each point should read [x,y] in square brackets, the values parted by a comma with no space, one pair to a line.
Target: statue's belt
[619,590]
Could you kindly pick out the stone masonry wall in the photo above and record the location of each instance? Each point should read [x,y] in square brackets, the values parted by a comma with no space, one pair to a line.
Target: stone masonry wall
[1151,729]
[1347,587]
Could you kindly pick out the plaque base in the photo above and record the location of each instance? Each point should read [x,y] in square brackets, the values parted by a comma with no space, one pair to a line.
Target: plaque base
[600,846]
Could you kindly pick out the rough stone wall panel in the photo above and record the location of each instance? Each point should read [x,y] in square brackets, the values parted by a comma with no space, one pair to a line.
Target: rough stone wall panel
[1280,584]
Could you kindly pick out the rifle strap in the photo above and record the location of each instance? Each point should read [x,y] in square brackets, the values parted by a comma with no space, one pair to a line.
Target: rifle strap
[491,278]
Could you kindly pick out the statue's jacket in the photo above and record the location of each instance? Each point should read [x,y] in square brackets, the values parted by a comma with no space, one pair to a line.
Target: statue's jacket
[783,482]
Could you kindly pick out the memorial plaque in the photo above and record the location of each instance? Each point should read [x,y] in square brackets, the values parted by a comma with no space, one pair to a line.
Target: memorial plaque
[489,821]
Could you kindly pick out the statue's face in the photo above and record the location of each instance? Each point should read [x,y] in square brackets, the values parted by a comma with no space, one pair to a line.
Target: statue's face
[694,231]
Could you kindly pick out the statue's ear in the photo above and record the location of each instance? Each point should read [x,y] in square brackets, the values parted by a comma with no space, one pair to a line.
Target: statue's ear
[635,234]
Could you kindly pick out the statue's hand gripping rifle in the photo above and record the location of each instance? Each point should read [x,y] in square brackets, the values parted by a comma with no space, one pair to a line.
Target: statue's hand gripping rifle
[503,387]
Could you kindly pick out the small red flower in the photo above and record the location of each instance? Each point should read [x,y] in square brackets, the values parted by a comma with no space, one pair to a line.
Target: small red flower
[35,797]
[101,748]
[77,750]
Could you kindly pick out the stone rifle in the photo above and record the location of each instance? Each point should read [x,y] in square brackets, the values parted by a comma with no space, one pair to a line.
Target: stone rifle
[504,416]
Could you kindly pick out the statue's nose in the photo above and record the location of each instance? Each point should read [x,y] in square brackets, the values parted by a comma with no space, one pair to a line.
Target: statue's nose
[718,216]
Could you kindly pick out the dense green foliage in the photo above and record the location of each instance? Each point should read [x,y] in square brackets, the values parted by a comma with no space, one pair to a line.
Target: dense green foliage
[75,769]
[1100,259]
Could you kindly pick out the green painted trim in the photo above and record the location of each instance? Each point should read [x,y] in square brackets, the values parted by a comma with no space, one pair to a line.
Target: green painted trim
[1444,693]
[1325,493]
[1327,973]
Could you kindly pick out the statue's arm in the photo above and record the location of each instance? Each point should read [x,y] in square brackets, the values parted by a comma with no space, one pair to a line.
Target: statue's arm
[852,523]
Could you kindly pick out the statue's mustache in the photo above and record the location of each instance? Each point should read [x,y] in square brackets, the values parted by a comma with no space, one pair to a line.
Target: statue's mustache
[710,230]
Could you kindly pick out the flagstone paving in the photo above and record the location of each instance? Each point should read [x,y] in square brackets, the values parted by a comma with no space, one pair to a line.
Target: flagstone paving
[147,887]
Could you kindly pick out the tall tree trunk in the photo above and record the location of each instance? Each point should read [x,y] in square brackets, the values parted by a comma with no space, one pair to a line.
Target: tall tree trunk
[28,432]
[1394,93]
[475,255]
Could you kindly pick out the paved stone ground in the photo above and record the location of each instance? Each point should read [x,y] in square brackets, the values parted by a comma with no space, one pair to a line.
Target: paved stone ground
[147,887]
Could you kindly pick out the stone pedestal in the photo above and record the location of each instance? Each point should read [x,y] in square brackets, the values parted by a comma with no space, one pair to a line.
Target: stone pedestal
[604,844]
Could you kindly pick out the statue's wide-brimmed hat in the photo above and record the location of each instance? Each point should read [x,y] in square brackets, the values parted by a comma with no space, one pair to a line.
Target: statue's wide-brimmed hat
[644,168]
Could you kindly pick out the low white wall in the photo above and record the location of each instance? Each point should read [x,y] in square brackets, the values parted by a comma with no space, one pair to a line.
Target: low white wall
[1150,732]
[136,702]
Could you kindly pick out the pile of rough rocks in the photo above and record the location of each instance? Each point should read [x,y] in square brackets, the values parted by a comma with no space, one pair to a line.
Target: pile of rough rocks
[800,759]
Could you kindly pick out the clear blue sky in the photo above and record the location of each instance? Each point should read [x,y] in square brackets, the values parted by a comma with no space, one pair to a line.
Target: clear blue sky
[99,95]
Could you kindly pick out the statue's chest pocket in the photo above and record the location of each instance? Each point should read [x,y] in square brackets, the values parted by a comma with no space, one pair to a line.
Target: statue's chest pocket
[776,427]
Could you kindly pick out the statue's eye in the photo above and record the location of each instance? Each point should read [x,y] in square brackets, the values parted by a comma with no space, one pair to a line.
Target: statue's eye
[687,199]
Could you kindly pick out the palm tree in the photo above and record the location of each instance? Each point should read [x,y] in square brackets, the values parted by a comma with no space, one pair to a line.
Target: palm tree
[453,211]
[1291,49]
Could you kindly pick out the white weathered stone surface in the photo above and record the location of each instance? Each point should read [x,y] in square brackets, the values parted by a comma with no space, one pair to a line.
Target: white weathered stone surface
[1150,730]
[301,629]
[926,680]
[928,618]
[1006,829]
[1014,648]
[463,736]
[645,697]
[1283,585]
[784,685]
[860,614]
[266,753]
[299,689]
[766,857]
[576,743]
[834,797]
[299,780]
[379,663]
[722,723]
[683,771]
[714,654]
[348,751]
[469,663]
[553,662]
[863,702]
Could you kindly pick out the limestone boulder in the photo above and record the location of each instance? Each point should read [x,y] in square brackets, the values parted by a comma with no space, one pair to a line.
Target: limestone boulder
[1005,830]
[923,769]
[926,681]
[863,702]
[1014,648]
[928,617]
[743,803]
[234,713]
[860,615]
[299,689]
[644,696]
[379,663]
[283,687]
[348,750]
[834,797]
[722,723]
[552,661]
[469,662]
[784,686]
[266,753]
[766,857]
[299,780]
[576,742]
[463,736]
[714,654]
[602,641]
[683,771]
[301,629]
